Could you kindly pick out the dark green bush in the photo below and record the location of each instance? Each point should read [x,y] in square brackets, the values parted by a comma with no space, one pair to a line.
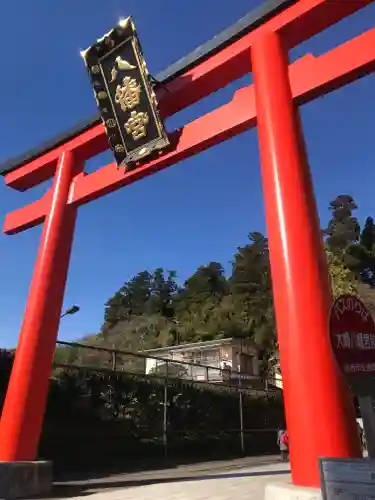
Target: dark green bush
[100,419]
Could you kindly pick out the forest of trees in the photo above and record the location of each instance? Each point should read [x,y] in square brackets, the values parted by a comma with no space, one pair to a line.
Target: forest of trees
[152,310]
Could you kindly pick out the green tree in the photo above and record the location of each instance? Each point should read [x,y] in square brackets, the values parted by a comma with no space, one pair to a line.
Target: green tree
[137,292]
[198,305]
[145,293]
[366,253]
[251,287]
[208,283]
[343,228]
[345,240]
[145,331]
[342,279]
[115,309]
[367,237]
[163,293]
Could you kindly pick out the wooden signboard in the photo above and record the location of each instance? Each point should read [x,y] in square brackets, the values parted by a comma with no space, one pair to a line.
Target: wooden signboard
[125,95]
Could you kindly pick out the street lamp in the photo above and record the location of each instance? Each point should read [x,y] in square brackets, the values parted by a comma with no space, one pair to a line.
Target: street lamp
[72,310]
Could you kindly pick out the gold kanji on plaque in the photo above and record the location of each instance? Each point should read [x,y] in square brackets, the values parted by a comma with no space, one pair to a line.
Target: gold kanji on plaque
[136,125]
[128,94]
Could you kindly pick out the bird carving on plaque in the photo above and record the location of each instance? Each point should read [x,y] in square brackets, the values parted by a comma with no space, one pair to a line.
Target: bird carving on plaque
[122,65]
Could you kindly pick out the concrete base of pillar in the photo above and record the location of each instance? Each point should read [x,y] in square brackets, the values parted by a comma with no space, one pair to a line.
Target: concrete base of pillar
[287,491]
[25,479]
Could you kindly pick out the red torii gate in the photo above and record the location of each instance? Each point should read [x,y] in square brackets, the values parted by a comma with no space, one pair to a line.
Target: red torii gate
[319,411]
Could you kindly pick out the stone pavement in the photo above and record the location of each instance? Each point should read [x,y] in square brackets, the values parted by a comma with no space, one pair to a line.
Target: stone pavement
[231,480]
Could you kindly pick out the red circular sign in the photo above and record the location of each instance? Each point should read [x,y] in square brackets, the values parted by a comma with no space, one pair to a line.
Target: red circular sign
[352,333]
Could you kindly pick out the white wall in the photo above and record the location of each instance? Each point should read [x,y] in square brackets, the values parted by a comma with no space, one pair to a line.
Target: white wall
[150,365]
[277,377]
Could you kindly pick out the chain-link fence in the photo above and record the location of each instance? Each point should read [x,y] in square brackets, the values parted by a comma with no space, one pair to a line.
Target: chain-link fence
[105,411]
[175,409]
[90,356]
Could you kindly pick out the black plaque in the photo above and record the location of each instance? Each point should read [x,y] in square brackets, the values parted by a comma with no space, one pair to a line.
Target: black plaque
[347,479]
[124,94]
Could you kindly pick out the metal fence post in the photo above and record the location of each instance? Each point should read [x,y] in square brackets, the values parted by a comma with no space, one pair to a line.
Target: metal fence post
[165,412]
[241,408]
[113,355]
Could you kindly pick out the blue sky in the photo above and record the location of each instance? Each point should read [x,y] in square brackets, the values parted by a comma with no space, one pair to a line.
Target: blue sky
[197,211]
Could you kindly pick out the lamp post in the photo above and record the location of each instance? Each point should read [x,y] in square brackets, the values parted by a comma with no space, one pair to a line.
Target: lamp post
[71,310]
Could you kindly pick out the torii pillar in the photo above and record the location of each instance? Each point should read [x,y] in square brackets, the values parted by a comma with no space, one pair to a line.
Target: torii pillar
[314,391]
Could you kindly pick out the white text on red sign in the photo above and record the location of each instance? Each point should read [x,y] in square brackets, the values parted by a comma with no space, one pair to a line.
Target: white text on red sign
[359,367]
[350,340]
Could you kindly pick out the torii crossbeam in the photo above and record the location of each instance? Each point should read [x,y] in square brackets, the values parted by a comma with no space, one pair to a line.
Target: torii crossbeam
[315,396]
